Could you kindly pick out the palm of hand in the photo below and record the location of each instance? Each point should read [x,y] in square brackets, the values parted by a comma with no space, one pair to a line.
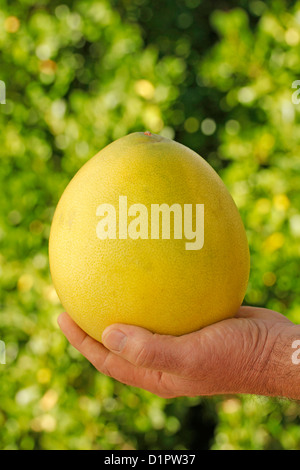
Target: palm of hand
[214,360]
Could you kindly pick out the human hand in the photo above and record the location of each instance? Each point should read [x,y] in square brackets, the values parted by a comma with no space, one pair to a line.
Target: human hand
[250,353]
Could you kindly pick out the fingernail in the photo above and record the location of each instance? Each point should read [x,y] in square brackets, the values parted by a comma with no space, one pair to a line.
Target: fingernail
[114,340]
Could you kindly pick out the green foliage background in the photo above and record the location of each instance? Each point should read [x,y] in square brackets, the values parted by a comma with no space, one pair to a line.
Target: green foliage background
[216,76]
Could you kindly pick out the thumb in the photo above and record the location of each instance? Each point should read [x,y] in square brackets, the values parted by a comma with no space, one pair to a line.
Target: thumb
[142,348]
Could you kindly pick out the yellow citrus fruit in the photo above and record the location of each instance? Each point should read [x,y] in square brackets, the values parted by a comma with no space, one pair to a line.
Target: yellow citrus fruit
[146,233]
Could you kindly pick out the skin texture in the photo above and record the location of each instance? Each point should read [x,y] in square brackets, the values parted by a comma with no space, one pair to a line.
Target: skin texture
[250,353]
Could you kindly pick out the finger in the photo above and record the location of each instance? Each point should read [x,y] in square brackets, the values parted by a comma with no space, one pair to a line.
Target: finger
[110,364]
[144,349]
[261,313]
[86,345]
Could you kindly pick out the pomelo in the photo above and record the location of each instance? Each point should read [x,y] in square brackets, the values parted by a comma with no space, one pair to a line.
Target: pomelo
[172,258]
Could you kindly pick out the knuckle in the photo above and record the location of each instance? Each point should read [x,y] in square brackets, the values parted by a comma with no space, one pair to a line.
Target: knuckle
[166,390]
[145,356]
[83,342]
[105,367]
[162,354]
